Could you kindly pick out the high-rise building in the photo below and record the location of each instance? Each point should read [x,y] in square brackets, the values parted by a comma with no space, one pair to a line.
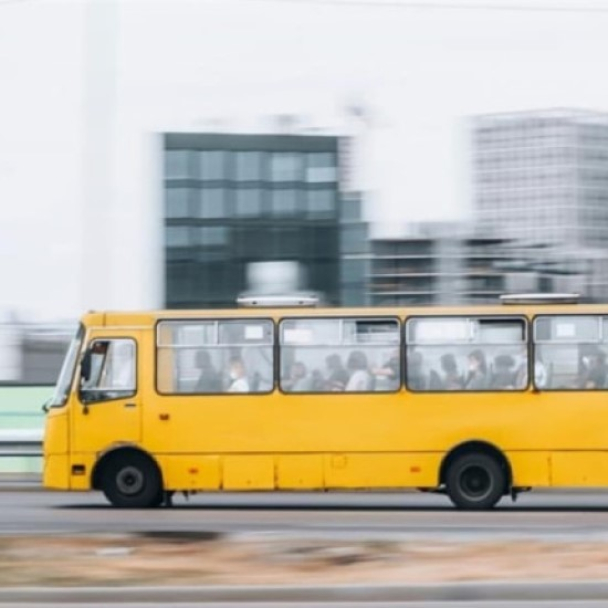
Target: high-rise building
[542,176]
[541,180]
[235,200]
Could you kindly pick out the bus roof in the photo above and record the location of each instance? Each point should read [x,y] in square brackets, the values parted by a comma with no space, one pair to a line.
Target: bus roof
[148,318]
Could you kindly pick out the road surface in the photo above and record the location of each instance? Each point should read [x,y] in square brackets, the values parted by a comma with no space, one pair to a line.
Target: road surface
[482,604]
[558,515]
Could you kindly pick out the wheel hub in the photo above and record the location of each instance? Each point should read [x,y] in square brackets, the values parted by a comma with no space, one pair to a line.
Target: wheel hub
[476,482]
[130,481]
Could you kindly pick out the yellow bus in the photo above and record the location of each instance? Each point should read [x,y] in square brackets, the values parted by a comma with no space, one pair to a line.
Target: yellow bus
[474,402]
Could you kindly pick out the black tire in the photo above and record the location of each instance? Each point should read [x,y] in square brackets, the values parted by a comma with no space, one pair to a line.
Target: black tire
[132,481]
[475,482]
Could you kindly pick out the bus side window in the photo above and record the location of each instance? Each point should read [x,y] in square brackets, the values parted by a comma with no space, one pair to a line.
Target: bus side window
[112,370]
[466,354]
[356,355]
[570,352]
[210,357]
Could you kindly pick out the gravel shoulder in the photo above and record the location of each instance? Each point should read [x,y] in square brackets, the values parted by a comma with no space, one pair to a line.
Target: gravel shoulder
[171,559]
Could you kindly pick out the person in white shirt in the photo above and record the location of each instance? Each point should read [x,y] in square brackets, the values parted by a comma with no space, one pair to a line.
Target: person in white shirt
[238,376]
[360,378]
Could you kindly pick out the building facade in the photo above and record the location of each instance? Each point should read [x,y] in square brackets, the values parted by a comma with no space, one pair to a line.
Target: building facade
[541,180]
[436,264]
[542,177]
[233,202]
[355,247]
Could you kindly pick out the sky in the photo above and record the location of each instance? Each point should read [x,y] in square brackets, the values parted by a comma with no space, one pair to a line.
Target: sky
[421,70]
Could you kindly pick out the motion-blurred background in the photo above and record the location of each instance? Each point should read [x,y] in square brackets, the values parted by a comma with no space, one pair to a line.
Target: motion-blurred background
[177,154]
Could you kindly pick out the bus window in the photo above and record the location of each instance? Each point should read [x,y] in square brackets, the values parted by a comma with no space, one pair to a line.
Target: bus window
[112,370]
[337,355]
[570,352]
[466,354]
[212,357]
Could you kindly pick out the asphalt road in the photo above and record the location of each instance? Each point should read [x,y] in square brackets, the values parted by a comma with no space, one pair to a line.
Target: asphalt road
[558,515]
[482,604]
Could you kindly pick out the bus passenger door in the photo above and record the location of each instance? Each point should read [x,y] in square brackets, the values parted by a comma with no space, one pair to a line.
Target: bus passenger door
[108,408]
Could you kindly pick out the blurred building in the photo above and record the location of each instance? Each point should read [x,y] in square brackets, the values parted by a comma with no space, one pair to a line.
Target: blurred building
[545,268]
[541,179]
[33,353]
[233,201]
[437,264]
[543,176]
[355,260]
[452,264]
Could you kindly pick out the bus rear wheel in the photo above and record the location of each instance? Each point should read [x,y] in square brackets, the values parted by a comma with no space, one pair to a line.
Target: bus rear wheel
[475,482]
[132,481]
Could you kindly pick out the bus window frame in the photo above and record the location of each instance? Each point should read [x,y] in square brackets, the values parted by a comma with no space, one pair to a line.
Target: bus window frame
[218,320]
[491,317]
[74,382]
[399,345]
[599,342]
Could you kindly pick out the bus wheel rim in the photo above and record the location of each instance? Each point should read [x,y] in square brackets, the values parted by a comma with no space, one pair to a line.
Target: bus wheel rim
[476,482]
[130,481]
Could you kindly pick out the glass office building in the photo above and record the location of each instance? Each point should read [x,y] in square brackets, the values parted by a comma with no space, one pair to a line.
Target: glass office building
[541,180]
[233,200]
[542,176]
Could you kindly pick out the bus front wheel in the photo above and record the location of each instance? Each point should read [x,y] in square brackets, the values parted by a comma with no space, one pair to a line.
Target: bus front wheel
[475,481]
[132,480]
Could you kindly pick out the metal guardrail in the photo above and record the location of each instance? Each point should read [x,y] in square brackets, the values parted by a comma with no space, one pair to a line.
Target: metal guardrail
[20,443]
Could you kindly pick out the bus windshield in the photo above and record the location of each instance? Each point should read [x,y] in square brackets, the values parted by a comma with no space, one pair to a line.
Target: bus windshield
[64,382]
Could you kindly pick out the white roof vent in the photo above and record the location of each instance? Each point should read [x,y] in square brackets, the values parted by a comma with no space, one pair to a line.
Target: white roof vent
[540,298]
[278,301]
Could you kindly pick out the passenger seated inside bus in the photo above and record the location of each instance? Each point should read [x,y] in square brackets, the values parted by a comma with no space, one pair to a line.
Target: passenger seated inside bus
[298,380]
[238,376]
[336,376]
[387,376]
[593,372]
[451,380]
[360,379]
[209,380]
[416,378]
[477,377]
[504,374]
[317,381]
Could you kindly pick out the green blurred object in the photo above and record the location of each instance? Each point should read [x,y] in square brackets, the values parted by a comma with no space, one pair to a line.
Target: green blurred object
[21,408]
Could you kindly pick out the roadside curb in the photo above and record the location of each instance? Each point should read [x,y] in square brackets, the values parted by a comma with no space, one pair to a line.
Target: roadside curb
[516,591]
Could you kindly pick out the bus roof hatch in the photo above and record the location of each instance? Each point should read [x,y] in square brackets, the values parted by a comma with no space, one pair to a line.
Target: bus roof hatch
[278,301]
[540,298]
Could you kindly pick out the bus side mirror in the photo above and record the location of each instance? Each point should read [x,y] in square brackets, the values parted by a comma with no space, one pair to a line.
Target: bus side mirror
[85,366]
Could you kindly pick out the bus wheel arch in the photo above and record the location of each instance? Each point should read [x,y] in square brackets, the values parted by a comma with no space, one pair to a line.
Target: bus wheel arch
[129,477]
[476,475]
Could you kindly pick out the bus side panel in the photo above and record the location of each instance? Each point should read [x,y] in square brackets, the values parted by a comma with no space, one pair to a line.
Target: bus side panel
[579,468]
[80,468]
[300,472]
[56,472]
[382,470]
[530,469]
[248,472]
[190,472]
[55,449]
